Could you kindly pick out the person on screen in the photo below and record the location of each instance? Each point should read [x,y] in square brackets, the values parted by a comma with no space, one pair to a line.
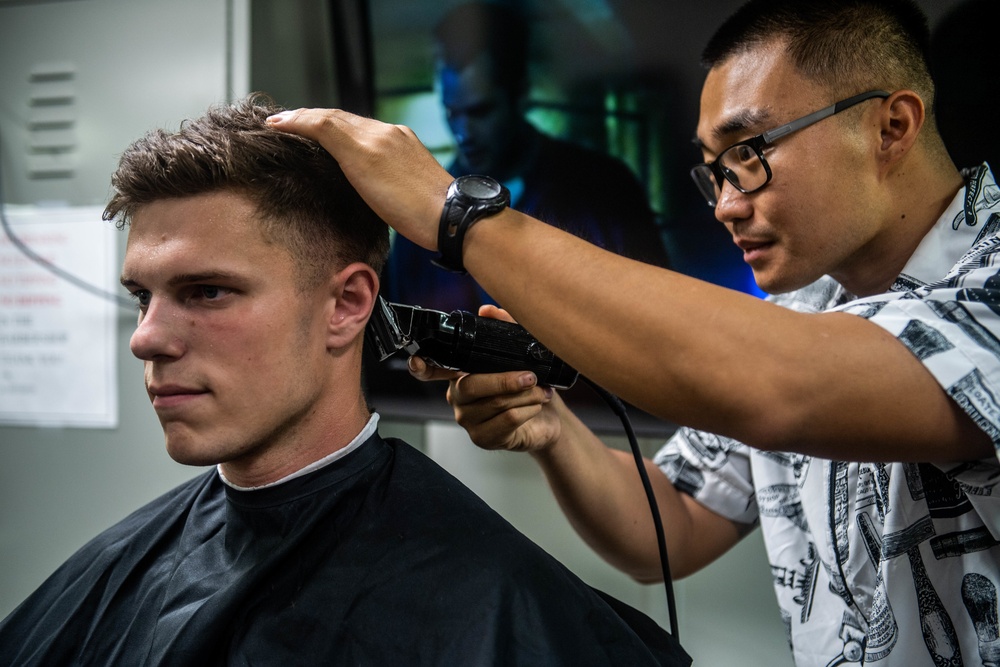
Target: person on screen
[312,541]
[858,426]
[482,73]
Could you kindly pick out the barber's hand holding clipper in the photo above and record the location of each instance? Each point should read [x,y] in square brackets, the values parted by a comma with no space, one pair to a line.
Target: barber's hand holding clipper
[508,411]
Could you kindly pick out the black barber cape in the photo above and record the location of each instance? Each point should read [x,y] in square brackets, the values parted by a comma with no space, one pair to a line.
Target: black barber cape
[380,558]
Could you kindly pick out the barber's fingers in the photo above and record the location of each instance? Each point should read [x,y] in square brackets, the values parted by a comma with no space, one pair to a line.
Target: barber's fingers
[495,313]
[387,164]
[516,430]
[514,420]
[424,372]
[333,127]
[510,389]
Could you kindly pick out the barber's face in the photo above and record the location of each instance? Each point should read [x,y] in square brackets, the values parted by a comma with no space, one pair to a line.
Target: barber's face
[483,118]
[820,212]
[233,351]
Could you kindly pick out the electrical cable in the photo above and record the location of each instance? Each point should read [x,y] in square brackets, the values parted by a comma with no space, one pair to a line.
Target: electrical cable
[59,272]
[618,407]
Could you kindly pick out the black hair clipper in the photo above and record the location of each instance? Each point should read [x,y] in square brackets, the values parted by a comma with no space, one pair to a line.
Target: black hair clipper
[463,342]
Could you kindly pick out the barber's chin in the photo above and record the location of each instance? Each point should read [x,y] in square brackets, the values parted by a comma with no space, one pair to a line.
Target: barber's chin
[784,287]
[779,282]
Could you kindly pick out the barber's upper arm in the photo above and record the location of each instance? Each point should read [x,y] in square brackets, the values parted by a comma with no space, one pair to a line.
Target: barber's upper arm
[957,340]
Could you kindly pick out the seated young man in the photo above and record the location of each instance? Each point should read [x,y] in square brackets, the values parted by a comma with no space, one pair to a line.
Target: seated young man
[254,266]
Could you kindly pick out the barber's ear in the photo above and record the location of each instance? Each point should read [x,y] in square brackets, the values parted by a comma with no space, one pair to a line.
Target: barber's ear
[352,297]
[901,117]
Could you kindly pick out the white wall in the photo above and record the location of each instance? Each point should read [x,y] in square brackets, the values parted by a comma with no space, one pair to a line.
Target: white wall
[138,64]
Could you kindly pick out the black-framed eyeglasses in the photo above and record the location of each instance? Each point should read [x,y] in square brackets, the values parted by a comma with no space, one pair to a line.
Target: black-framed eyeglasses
[743,163]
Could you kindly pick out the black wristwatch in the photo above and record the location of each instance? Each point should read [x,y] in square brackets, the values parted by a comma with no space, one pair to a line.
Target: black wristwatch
[469,200]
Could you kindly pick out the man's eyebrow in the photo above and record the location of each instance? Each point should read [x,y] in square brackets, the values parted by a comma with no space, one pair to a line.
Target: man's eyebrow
[743,122]
[187,278]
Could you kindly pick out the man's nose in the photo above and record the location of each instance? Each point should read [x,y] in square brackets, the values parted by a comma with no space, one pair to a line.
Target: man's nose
[156,335]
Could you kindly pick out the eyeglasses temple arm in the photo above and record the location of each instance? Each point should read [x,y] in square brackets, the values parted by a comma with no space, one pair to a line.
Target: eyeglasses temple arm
[817,116]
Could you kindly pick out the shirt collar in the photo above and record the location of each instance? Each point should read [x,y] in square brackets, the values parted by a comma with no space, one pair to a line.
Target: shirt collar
[955,232]
[358,440]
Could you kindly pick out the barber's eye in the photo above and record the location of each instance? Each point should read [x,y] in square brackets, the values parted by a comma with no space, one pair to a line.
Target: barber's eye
[744,153]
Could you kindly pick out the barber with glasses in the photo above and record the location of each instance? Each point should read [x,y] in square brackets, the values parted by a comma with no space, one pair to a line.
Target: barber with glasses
[854,416]
[743,164]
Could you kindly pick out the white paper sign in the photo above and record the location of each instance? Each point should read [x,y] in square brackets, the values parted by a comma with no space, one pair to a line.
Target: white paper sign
[58,342]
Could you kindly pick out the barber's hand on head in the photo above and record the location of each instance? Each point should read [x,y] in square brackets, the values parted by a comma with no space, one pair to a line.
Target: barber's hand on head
[499,410]
[388,166]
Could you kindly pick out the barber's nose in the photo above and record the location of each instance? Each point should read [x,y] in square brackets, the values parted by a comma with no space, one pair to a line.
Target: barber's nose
[732,204]
[155,335]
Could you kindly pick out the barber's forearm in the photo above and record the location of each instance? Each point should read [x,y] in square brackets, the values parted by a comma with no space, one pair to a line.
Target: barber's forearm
[599,490]
[719,360]
[640,331]
[600,493]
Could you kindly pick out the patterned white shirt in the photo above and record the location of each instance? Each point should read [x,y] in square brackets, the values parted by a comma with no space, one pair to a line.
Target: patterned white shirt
[889,564]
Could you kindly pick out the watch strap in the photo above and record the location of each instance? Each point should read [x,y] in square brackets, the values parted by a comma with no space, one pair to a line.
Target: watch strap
[459,214]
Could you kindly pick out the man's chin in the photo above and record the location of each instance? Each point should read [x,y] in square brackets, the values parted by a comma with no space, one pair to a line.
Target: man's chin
[191,451]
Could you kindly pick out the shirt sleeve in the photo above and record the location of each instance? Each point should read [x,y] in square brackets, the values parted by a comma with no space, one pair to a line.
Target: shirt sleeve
[713,470]
[952,327]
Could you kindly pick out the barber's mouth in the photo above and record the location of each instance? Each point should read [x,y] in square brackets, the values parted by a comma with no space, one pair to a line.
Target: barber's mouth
[753,251]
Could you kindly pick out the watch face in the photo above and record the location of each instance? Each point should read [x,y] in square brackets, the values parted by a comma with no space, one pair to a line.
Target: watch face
[478,187]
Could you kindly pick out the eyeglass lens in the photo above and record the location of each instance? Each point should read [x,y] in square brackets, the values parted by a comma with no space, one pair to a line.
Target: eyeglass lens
[741,165]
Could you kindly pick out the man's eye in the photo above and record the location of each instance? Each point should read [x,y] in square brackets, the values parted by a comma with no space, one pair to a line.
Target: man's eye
[210,292]
[141,297]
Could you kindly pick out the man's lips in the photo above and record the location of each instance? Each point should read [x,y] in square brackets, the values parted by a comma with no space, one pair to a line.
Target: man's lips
[169,395]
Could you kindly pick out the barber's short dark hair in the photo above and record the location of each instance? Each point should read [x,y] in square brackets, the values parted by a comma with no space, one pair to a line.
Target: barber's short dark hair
[848,45]
[496,30]
[303,199]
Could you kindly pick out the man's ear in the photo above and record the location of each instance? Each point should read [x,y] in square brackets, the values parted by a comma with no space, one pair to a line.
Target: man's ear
[352,296]
[901,117]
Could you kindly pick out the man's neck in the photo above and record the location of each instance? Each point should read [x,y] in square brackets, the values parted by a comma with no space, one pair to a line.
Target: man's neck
[326,430]
[362,437]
